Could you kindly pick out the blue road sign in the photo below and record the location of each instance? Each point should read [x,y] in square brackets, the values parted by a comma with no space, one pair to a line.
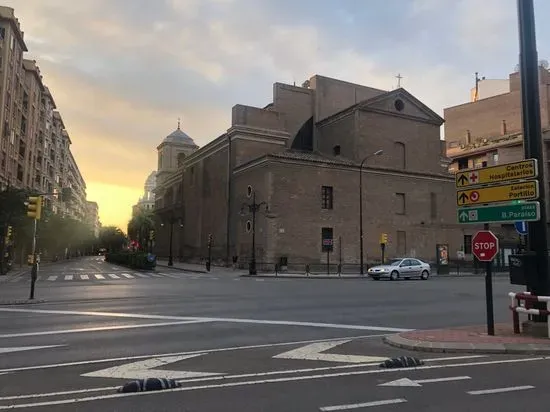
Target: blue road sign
[521,227]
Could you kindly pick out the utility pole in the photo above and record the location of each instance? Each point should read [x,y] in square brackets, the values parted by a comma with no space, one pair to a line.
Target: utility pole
[533,144]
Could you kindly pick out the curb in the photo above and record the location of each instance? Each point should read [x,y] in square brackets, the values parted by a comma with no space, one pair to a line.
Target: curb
[21,302]
[304,277]
[183,269]
[465,347]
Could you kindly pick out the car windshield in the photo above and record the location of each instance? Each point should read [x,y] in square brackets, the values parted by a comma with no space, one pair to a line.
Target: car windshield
[395,262]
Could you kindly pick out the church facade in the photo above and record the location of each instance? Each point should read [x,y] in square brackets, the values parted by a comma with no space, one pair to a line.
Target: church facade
[286,177]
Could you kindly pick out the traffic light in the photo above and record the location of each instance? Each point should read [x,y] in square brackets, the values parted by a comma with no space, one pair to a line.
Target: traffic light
[34,207]
[9,233]
[383,238]
[151,235]
[210,239]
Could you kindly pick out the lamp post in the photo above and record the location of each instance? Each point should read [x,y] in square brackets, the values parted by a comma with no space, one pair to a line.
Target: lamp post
[171,221]
[377,153]
[253,208]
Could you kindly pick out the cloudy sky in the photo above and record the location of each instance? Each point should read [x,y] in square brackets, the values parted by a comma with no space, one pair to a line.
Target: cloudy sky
[123,71]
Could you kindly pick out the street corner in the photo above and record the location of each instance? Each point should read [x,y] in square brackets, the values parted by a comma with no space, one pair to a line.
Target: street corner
[470,339]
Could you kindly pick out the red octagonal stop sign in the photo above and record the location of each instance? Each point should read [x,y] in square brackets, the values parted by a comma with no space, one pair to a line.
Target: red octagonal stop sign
[485,245]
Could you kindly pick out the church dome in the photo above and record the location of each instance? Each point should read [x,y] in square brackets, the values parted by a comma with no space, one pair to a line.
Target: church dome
[179,136]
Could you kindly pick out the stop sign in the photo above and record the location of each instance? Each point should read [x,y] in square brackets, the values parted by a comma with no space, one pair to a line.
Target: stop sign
[485,245]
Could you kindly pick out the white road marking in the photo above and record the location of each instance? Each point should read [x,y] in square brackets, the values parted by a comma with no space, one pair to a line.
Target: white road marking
[25,348]
[68,277]
[98,276]
[52,278]
[99,329]
[84,277]
[314,351]
[214,378]
[127,275]
[126,358]
[156,275]
[419,382]
[500,390]
[113,276]
[230,320]
[258,382]
[141,275]
[361,405]
[145,369]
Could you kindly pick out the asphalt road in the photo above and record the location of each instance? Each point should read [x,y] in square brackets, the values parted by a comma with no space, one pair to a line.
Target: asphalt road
[245,344]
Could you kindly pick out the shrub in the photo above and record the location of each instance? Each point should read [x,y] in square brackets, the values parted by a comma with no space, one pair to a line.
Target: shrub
[135,260]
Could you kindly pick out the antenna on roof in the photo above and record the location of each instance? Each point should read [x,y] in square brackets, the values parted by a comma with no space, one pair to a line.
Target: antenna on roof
[179,121]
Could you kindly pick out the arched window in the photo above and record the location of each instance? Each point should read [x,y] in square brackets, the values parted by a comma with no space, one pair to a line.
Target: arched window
[400,155]
[160,161]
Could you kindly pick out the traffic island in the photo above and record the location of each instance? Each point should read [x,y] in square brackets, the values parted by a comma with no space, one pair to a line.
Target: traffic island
[470,339]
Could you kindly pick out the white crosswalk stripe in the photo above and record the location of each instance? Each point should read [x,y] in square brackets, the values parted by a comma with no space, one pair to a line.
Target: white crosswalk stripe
[52,278]
[113,276]
[68,277]
[84,277]
[90,276]
[142,275]
[127,275]
[98,276]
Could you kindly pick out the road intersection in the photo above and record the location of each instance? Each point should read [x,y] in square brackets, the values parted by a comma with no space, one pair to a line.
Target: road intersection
[248,346]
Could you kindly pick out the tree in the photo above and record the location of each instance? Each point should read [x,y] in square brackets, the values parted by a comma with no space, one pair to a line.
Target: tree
[112,238]
[139,227]
[12,213]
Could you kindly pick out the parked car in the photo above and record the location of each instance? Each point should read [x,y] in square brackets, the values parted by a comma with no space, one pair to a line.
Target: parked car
[404,268]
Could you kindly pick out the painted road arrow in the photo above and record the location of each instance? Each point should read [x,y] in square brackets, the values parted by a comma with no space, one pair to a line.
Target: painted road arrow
[25,348]
[314,352]
[144,369]
[419,382]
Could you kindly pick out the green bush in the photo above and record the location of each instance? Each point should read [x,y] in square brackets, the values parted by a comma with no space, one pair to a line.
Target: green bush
[134,260]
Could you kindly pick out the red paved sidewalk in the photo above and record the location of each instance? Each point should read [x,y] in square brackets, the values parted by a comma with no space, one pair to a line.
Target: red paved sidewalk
[472,339]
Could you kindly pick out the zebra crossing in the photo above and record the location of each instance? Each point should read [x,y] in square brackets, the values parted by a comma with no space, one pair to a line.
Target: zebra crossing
[94,277]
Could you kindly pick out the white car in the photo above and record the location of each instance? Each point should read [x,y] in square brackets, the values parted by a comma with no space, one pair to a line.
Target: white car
[405,268]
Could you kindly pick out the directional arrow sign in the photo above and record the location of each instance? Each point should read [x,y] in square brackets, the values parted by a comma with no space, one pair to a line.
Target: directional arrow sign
[419,382]
[314,352]
[25,348]
[510,212]
[144,369]
[499,193]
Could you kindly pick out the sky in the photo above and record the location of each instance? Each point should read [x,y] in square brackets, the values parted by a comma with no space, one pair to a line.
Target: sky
[123,71]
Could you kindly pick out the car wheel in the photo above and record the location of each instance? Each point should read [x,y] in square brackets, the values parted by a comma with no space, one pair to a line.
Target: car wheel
[425,275]
[394,275]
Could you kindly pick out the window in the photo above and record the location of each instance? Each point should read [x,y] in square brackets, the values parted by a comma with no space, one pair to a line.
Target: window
[462,164]
[433,205]
[468,244]
[401,243]
[400,155]
[326,197]
[336,150]
[326,239]
[400,204]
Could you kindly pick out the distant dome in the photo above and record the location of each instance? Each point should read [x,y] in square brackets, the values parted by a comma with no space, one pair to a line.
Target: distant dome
[178,136]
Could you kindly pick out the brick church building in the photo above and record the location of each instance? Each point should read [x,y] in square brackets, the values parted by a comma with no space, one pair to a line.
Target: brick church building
[299,158]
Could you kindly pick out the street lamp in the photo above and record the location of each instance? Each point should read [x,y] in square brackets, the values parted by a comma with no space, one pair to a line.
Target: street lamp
[253,208]
[377,153]
[171,221]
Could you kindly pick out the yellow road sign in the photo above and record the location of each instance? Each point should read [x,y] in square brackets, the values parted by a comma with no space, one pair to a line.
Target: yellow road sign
[526,169]
[501,193]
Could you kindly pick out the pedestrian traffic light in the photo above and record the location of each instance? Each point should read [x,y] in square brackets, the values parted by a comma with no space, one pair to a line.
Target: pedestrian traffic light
[383,238]
[9,233]
[34,207]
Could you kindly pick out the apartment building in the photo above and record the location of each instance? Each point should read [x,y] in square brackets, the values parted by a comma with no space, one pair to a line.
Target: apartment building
[34,144]
[92,217]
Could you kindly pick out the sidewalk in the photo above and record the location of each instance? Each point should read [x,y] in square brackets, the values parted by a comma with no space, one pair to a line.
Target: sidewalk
[198,268]
[470,339]
[288,275]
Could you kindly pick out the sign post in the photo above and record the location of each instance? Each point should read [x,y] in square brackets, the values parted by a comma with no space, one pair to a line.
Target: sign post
[328,244]
[485,247]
